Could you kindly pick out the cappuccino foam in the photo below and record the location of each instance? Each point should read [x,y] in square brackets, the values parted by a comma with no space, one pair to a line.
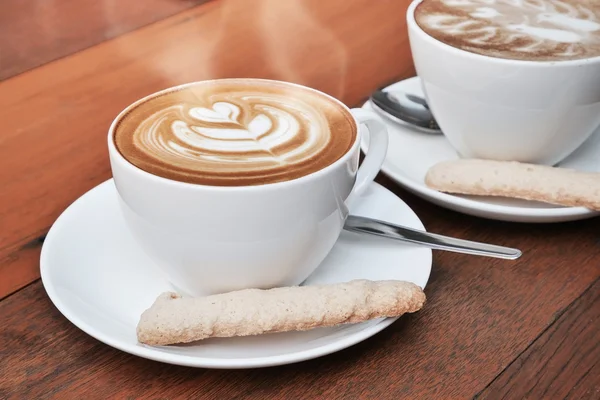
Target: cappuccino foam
[235,132]
[537,30]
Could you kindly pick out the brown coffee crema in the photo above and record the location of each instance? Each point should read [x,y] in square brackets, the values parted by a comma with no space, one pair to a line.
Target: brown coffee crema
[235,132]
[535,30]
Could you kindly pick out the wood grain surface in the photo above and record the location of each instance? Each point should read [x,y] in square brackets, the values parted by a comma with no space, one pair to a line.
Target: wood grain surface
[76,98]
[564,362]
[35,32]
[490,329]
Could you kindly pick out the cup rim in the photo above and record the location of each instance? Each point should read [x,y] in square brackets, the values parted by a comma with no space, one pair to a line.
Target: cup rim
[116,154]
[412,25]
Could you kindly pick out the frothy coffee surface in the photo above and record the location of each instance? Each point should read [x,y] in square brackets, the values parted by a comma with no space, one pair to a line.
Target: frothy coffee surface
[538,30]
[235,133]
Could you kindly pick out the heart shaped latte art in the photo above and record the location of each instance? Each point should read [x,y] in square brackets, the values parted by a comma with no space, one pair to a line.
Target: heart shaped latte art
[247,133]
[220,112]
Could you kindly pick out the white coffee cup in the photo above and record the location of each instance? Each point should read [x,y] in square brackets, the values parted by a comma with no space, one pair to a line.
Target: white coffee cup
[502,109]
[211,239]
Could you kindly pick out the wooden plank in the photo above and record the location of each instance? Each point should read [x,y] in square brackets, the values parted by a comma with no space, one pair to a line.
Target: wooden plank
[564,363]
[481,314]
[23,265]
[33,32]
[55,118]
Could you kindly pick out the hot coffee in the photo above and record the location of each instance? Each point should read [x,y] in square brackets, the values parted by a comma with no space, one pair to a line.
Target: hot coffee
[210,237]
[235,132]
[536,30]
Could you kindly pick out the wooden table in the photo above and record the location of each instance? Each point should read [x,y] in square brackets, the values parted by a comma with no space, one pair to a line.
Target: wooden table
[491,328]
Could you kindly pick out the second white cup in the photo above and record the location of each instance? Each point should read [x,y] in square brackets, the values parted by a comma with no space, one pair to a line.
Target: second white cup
[502,109]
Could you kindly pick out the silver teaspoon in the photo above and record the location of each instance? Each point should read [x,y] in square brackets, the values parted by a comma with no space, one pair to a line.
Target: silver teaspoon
[405,109]
[431,240]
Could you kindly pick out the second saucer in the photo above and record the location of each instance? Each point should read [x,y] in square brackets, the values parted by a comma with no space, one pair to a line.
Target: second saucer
[411,153]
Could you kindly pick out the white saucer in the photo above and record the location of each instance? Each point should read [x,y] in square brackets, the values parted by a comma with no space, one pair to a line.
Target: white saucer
[412,153]
[101,281]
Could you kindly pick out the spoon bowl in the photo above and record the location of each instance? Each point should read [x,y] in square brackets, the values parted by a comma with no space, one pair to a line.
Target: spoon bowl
[406,109]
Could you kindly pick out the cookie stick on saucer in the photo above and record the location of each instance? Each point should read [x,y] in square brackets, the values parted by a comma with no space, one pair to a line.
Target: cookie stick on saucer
[173,319]
[512,179]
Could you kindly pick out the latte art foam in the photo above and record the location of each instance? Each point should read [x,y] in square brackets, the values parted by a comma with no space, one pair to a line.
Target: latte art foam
[517,29]
[235,133]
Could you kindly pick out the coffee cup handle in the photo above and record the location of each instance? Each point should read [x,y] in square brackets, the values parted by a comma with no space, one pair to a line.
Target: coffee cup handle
[377,150]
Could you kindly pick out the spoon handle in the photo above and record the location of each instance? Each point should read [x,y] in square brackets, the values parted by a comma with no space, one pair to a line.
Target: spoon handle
[431,240]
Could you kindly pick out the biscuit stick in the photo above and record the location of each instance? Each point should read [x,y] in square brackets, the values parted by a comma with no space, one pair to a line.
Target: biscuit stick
[174,319]
[512,179]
